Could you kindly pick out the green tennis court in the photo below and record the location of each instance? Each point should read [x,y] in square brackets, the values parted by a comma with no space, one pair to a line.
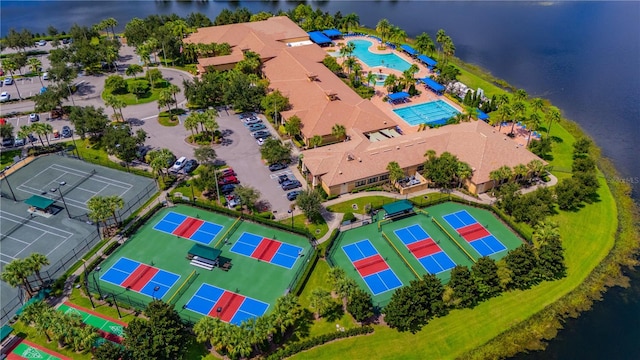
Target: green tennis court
[485,218]
[105,325]
[247,276]
[28,350]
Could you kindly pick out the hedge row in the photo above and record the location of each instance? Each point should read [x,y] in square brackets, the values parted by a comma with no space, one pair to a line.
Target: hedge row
[295,348]
[142,220]
[315,255]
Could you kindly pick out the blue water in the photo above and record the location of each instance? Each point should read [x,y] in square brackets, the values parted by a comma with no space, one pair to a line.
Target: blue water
[390,61]
[432,113]
[583,56]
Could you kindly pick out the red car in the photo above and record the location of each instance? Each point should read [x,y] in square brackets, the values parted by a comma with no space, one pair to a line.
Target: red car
[227,172]
[228,180]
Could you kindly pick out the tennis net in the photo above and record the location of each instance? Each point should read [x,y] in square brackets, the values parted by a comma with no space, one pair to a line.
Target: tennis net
[146,269]
[370,263]
[425,244]
[70,188]
[471,230]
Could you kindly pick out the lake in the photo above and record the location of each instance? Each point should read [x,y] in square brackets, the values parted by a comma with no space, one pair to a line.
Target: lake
[583,56]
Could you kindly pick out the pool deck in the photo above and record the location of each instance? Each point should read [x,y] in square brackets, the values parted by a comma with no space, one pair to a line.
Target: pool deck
[425,96]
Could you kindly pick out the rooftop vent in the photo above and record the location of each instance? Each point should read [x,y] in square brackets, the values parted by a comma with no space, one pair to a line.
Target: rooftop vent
[312,76]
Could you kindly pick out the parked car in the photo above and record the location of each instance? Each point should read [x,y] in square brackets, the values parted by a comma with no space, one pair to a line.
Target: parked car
[232,201]
[141,152]
[260,141]
[42,42]
[56,133]
[32,138]
[8,80]
[277,166]
[33,117]
[292,195]
[228,180]
[5,96]
[252,121]
[45,76]
[247,115]
[7,142]
[65,41]
[261,134]
[282,178]
[227,172]
[179,164]
[18,142]
[256,127]
[227,189]
[290,185]
[189,166]
[66,132]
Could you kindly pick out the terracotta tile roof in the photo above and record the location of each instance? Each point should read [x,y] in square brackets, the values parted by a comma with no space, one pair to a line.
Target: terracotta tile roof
[475,143]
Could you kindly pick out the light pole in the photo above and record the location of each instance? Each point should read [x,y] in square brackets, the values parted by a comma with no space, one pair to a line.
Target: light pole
[4,176]
[290,211]
[86,283]
[93,275]
[62,183]
[193,197]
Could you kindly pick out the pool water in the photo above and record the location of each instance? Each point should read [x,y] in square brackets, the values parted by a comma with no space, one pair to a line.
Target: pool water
[391,61]
[432,113]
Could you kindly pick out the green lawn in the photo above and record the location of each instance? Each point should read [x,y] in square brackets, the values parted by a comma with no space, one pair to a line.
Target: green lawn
[132,99]
[347,206]
[300,222]
[78,298]
[588,237]
[164,118]
[6,157]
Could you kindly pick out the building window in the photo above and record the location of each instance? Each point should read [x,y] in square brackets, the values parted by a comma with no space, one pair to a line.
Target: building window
[373,180]
[420,168]
[384,177]
[361,183]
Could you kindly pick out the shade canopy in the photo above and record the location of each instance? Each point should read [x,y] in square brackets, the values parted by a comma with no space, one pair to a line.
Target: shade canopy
[397,208]
[332,32]
[319,38]
[204,252]
[398,95]
[427,60]
[482,115]
[39,202]
[432,84]
[408,49]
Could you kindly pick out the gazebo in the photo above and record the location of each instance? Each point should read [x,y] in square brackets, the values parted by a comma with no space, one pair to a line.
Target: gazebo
[39,204]
[398,97]
[433,85]
[319,38]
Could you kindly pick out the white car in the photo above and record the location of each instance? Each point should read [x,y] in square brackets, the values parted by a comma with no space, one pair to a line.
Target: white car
[260,141]
[45,76]
[179,164]
[8,80]
[5,96]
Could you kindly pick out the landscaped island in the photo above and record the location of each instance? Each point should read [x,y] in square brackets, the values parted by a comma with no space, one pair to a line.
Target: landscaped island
[487,228]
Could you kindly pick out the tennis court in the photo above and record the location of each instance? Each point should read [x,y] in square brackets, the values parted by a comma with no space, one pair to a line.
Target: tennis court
[268,250]
[27,350]
[425,249]
[260,281]
[142,278]
[474,233]
[189,228]
[228,306]
[62,239]
[375,272]
[110,329]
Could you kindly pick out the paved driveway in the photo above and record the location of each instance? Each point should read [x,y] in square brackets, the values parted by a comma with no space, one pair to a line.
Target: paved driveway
[243,154]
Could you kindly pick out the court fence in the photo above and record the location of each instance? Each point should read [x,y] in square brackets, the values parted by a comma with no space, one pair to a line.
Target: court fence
[54,270]
[397,251]
[453,239]
[303,272]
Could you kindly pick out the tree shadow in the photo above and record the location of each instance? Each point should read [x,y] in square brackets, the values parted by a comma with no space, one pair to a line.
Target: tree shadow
[135,121]
[302,326]
[336,312]
[85,89]
[556,139]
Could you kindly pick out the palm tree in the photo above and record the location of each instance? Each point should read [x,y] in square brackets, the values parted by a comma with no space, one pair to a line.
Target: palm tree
[448,48]
[287,311]
[35,65]
[179,28]
[440,38]
[39,315]
[397,35]
[533,124]
[535,167]
[424,44]
[115,203]
[133,70]
[315,141]
[10,65]
[165,98]
[36,261]
[552,115]
[16,274]
[339,131]
[537,104]
[47,129]
[191,123]
[99,210]
[160,160]
[504,112]
[390,82]
[382,28]
[520,171]
[544,232]
[320,300]
[518,109]
[174,89]
[117,104]
[112,23]
[346,50]
[520,95]
[505,173]
[24,132]
[371,79]
[349,63]
[395,172]
[350,20]
[463,172]
[39,130]
[494,176]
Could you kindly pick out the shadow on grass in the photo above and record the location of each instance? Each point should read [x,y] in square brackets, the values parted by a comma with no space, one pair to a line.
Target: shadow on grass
[336,312]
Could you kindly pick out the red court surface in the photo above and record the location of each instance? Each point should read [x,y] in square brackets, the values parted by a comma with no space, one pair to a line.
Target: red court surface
[229,303]
[371,265]
[188,227]
[473,232]
[266,249]
[140,277]
[423,248]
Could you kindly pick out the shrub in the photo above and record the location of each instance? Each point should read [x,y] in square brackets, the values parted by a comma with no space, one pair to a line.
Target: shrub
[349,217]
[318,340]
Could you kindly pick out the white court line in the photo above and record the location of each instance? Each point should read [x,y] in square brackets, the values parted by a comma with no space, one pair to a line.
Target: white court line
[18,240]
[66,199]
[3,214]
[108,180]
[34,241]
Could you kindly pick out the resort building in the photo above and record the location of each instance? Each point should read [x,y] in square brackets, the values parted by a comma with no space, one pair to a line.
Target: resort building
[293,65]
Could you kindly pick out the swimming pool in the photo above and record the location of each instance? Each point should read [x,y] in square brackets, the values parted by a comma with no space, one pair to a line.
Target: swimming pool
[431,113]
[391,61]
